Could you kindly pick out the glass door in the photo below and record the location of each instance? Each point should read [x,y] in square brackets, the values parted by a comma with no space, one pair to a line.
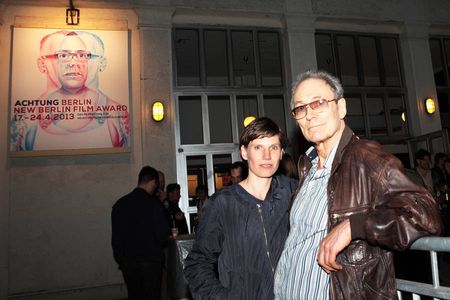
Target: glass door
[209,171]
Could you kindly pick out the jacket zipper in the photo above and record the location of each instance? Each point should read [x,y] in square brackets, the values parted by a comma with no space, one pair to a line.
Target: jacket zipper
[265,238]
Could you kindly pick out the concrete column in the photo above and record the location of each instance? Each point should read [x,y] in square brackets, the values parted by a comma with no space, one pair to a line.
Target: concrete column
[301,57]
[301,43]
[156,77]
[419,78]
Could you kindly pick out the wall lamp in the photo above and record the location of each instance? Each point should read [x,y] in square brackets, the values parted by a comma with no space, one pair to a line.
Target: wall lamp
[430,106]
[72,15]
[158,111]
[248,120]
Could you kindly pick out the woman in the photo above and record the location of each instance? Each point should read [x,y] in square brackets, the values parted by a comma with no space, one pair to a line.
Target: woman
[244,226]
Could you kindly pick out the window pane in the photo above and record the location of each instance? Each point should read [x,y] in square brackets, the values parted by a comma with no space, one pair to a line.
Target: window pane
[222,164]
[220,119]
[216,57]
[247,105]
[377,119]
[270,58]
[191,124]
[369,61]
[243,58]
[444,102]
[187,55]
[274,109]
[436,58]
[196,171]
[391,61]
[324,53]
[398,115]
[347,60]
[355,117]
[447,54]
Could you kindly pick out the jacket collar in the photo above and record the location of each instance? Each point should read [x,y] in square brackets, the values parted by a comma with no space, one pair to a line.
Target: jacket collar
[346,137]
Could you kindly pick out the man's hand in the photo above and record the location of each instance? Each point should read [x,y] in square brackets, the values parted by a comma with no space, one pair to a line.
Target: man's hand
[179,216]
[335,241]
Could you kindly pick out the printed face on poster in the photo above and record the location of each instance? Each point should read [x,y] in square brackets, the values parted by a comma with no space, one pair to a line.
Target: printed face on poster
[69,92]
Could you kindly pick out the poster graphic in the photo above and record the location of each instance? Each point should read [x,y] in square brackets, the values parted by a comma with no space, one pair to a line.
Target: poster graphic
[69,91]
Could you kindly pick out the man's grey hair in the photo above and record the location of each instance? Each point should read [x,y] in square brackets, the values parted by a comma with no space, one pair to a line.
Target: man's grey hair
[330,80]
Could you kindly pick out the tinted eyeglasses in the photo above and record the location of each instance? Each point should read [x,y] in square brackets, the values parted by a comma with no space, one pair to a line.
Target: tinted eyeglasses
[66,55]
[320,105]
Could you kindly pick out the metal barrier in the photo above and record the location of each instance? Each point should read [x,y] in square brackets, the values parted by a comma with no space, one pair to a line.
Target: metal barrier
[418,289]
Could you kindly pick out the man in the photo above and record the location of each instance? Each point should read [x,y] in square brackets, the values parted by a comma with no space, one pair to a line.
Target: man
[354,202]
[439,175]
[139,231]
[244,226]
[72,60]
[47,64]
[178,218]
[201,196]
[422,160]
[238,172]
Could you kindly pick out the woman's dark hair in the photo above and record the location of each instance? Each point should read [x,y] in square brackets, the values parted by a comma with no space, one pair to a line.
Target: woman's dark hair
[260,128]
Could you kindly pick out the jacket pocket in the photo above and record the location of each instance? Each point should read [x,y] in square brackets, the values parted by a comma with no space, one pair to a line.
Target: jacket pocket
[368,274]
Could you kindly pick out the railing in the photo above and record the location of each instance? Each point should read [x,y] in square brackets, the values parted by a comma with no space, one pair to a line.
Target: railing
[418,289]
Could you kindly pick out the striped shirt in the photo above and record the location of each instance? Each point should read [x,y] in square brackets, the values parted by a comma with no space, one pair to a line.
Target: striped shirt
[298,275]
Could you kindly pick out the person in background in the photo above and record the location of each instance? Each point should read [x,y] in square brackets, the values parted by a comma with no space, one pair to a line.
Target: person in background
[160,193]
[353,204]
[243,226]
[201,196]
[439,176]
[288,167]
[422,160]
[139,233]
[178,218]
[238,172]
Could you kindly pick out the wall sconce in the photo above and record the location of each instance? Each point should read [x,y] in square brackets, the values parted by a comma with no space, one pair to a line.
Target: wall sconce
[158,111]
[430,106]
[403,116]
[248,120]
[72,15]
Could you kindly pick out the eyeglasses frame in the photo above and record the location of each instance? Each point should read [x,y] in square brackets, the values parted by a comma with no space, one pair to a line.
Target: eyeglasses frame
[309,105]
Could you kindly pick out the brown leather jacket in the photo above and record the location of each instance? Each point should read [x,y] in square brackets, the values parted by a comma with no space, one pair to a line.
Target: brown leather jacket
[386,210]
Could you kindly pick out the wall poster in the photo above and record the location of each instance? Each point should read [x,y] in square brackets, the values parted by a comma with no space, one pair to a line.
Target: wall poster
[69,92]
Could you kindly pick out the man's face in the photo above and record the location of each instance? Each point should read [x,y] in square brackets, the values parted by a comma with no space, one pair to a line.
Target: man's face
[150,186]
[97,62]
[440,162]
[174,196]
[236,175]
[201,194]
[72,64]
[424,163]
[263,156]
[47,62]
[320,126]
[447,167]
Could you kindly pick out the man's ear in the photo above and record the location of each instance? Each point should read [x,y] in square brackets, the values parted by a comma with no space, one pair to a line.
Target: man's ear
[103,64]
[41,65]
[243,152]
[342,108]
